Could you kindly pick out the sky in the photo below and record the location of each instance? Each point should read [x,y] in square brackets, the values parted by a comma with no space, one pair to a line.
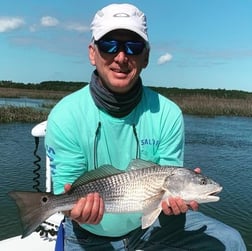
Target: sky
[194,43]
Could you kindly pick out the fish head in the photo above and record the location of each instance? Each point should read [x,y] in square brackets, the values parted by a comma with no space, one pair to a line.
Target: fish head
[189,185]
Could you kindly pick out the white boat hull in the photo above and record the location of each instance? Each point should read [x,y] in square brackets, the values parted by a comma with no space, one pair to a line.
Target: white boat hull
[31,243]
[37,241]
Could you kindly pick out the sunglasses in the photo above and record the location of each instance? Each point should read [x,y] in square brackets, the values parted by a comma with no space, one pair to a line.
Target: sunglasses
[113,46]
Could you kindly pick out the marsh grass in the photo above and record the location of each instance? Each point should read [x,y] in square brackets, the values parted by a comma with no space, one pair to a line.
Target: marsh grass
[31,93]
[10,114]
[203,105]
[193,104]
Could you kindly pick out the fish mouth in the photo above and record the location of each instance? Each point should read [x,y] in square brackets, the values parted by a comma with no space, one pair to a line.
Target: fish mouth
[214,193]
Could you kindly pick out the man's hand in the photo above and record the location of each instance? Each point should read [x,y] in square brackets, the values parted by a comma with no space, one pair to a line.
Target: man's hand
[176,206]
[89,209]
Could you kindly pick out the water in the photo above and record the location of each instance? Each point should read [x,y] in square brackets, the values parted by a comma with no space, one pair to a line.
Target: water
[24,102]
[16,166]
[221,146]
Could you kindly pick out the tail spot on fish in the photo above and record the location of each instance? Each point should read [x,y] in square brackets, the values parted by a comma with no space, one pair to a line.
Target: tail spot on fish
[44,199]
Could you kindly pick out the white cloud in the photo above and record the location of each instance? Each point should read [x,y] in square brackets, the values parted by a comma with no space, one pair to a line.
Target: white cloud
[77,27]
[164,58]
[49,21]
[10,23]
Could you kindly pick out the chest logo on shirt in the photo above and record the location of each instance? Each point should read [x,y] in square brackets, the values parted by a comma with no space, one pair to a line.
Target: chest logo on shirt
[152,142]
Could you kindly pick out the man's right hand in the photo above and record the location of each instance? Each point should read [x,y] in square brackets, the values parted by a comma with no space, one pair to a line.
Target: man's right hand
[87,210]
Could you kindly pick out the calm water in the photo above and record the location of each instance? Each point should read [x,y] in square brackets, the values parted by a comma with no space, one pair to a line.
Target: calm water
[24,102]
[221,146]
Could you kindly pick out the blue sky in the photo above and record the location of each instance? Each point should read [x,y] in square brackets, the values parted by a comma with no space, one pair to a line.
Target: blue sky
[194,43]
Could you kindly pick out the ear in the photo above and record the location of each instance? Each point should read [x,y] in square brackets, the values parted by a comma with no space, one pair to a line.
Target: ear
[91,54]
[146,58]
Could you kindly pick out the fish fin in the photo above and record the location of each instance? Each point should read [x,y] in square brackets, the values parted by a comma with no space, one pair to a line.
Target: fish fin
[102,172]
[140,164]
[151,209]
[151,203]
[167,194]
[149,219]
[32,209]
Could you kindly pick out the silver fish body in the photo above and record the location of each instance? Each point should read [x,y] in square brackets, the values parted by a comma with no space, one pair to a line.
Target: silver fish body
[139,189]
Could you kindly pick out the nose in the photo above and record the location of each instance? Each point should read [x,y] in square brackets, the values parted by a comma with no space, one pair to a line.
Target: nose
[121,57]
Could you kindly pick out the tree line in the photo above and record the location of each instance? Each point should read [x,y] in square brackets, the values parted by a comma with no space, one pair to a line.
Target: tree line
[45,85]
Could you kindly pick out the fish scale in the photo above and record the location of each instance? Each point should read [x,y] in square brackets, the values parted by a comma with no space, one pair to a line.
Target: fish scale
[126,192]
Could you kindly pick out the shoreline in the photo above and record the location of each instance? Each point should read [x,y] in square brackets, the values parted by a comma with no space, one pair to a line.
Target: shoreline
[191,103]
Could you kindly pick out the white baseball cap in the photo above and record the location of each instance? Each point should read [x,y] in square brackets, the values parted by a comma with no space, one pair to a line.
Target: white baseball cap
[119,16]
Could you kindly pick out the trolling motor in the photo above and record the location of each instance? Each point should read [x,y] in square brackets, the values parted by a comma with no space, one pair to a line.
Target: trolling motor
[47,228]
[39,131]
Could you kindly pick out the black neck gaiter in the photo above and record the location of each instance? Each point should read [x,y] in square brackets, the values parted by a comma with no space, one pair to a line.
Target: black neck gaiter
[116,104]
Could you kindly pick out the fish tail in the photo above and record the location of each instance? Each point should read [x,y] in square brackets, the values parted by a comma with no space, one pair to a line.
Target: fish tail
[34,208]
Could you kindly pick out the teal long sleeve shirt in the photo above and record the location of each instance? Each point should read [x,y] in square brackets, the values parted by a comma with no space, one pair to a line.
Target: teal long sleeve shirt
[80,136]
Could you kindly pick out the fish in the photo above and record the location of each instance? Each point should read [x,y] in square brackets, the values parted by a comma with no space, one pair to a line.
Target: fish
[140,188]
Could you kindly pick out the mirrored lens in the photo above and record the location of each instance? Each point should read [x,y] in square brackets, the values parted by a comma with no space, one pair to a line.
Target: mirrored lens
[134,48]
[113,46]
[108,46]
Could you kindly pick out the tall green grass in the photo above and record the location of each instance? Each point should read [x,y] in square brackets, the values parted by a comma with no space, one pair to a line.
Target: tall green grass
[10,114]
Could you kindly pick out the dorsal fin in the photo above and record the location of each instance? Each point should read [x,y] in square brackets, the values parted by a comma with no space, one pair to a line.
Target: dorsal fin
[140,164]
[102,172]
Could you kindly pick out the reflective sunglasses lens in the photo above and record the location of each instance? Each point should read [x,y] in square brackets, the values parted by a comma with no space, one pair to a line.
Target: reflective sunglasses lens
[108,46]
[112,46]
[134,48]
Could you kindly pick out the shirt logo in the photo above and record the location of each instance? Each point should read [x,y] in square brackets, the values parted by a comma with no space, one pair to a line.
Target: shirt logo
[152,142]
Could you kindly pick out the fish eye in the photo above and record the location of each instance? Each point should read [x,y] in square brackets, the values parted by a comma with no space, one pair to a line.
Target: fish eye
[203,181]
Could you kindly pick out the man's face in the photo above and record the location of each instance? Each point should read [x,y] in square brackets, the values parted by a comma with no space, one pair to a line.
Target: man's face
[119,71]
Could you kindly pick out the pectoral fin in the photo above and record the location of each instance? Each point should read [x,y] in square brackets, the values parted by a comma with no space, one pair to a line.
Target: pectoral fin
[151,210]
[148,219]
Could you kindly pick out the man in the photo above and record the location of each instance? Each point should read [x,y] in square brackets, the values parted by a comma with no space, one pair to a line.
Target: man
[112,121]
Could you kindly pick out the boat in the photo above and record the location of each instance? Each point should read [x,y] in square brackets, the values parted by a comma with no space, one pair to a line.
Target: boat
[45,236]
